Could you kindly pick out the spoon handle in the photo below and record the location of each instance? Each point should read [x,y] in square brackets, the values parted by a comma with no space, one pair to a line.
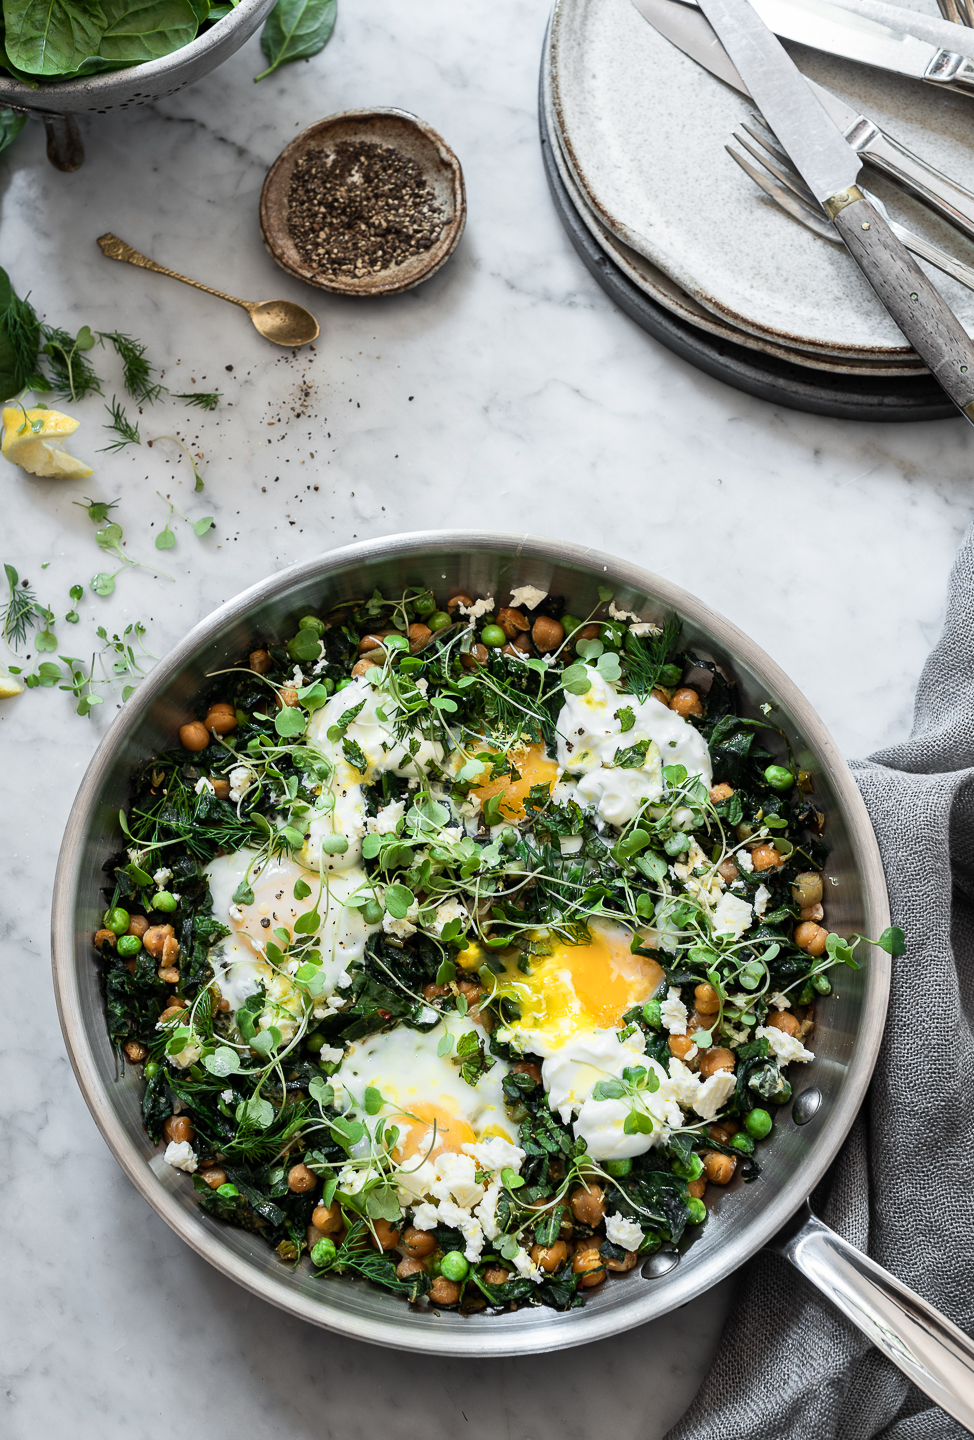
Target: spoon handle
[117,249]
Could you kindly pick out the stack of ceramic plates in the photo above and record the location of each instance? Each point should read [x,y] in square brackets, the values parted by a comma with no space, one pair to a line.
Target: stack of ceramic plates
[633,136]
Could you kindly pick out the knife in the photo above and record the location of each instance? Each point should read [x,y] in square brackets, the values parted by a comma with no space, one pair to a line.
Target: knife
[686,28]
[837,31]
[830,167]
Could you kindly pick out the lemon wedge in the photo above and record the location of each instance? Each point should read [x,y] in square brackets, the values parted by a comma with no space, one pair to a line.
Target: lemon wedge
[33,438]
[9,685]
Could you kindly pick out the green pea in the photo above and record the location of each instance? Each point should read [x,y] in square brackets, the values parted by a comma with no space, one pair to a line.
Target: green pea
[327,684]
[571,623]
[324,1253]
[617,1167]
[454,1266]
[164,900]
[424,604]
[508,835]
[313,1043]
[805,994]
[743,1142]
[758,1123]
[117,920]
[129,944]
[698,1211]
[439,620]
[822,984]
[652,1014]
[242,716]
[334,844]
[689,1169]
[151,1068]
[311,622]
[779,778]
[493,637]
[342,683]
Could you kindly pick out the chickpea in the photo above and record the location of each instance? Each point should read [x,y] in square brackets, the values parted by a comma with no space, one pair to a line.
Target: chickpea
[549,1257]
[811,938]
[470,990]
[686,702]
[527,1067]
[417,1243]
[408,1267]
[547,634]
[178,1128]
[589,1266]
[512,622]
[214,1178]
[812,912]
[474,658]
[138,925]
[373,641]
[460,598]
[300,1179]
[154,939]
[680,1046]
[327,1219]
[723,1131]
[418,635]
[663,696]
[766,857]
[287,697]
[176,1008]
[385,1235]
[362,667]
[168,974]
[433,992]
[444,1291]
[587,632]
[783,1020]
[588,1205]
[695,1188]
[719,1169]
[220,719]
[721,792]
[102,935]
[717,1058]
[170,950]
[807,889]
[194,736]
[522,644]
[260,661]
[135,1051]
[706,999]
[497,1275]
[221,787]
[728,871]
[619,1267]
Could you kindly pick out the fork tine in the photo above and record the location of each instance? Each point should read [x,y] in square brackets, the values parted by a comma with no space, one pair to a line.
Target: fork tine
[786,171]
[784,176]
[788,201]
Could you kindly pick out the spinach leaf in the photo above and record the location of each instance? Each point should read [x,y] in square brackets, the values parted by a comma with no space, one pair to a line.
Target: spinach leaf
[140,30]
[52,37]
[296,30]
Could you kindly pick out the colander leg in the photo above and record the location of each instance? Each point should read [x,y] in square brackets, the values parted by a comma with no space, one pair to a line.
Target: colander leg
[64,147]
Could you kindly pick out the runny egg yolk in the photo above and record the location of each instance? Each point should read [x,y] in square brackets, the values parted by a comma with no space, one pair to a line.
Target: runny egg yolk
[432,1130]
[534,768]
[579,988]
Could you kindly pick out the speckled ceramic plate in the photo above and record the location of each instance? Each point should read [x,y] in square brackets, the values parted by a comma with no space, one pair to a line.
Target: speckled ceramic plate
[659,287]
[643,130]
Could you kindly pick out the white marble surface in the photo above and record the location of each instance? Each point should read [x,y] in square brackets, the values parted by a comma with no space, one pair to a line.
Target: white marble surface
[507,393]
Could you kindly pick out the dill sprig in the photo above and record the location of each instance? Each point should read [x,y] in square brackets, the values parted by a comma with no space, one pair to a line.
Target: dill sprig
[127,432]
[22,328]
[206,400]
[21,612]
[137,372]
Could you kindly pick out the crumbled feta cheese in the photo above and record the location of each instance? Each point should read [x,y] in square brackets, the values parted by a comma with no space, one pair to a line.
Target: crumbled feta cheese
[457,1180]
[732,916]
[422,685]
[241,778]
[714,1093]
[204,786]
[686,1085]
[413,1180]
[495,1153]
[527,597]
[181,1156]
[623,1232]
[401,929]
[786,1047]
[645,627]
[761,897]
[186,1057]
[487,1210]
[162,877]
[673,1012]
[777,1001]
[297,676]
[386,822]
[617,613]
[478,608]
[570,844]
[460,1218]
[235,912]
[227,1096]
[331,1054]
[353,1178]
[526,1268]
[450,910]
[426,1217]
[427,1016]
[743,861]
[342,981]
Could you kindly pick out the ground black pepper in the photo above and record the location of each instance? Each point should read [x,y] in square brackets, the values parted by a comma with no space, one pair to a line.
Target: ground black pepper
[359,208]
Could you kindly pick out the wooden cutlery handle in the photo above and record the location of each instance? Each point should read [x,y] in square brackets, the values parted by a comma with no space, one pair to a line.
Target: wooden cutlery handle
[914,302]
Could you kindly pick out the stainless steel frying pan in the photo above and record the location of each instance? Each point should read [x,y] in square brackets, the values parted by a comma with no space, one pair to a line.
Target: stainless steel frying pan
[773,1212]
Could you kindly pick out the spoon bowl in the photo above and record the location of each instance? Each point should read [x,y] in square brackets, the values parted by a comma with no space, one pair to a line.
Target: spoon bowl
[284,322]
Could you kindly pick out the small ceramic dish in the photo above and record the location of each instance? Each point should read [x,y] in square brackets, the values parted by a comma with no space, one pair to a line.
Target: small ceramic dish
[400,131]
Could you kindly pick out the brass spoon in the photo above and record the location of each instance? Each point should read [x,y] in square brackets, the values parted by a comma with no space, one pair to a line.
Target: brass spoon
[279,320]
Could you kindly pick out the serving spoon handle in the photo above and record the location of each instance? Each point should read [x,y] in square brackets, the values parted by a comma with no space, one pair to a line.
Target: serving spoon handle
[934,1353]
[117,249]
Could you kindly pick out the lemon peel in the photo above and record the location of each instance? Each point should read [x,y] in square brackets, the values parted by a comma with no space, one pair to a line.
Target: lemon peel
[9,685]
[33,439]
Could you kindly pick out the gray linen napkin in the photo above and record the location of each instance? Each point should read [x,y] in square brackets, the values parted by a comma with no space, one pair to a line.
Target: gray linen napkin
[789,1367]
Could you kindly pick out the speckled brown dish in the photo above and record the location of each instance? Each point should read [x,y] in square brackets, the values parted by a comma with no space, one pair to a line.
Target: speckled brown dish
[401,131]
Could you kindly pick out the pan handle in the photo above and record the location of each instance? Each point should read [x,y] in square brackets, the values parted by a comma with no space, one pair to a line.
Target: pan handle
[936,1355]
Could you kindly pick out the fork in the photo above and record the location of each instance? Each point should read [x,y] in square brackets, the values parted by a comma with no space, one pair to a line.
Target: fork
[789,191]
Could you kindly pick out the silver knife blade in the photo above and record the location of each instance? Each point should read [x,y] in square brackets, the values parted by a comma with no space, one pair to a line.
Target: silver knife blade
[827,163]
